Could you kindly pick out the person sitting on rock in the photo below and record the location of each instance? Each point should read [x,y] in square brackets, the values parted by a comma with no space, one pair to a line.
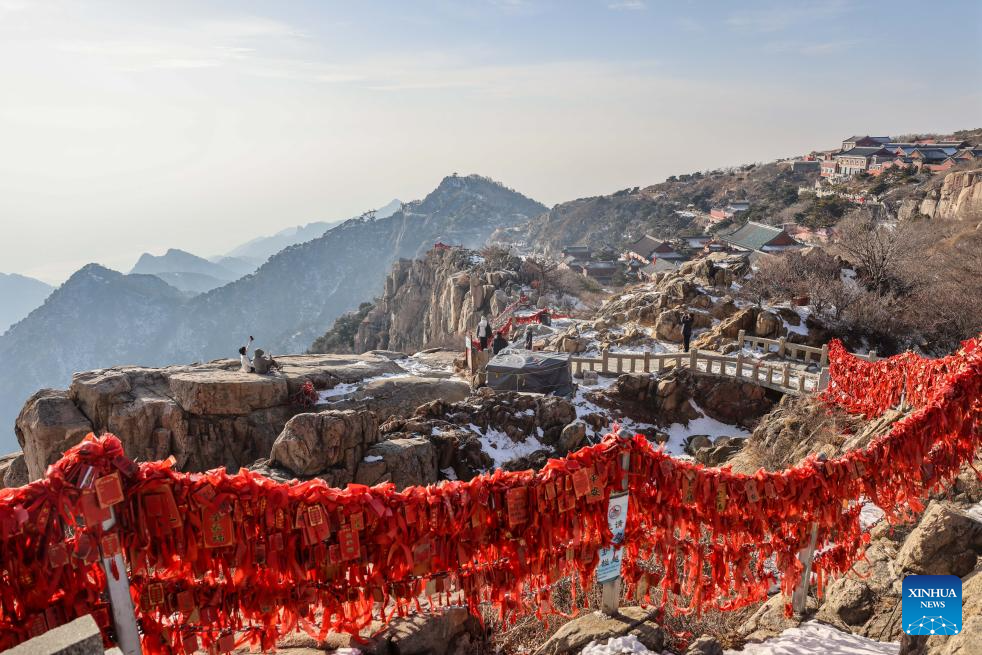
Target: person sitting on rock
[263,363]
[499,343]
[246,363]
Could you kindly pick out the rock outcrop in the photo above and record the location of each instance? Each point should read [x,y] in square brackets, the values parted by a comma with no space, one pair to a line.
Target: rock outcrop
[400,396]
[49,424]
[438,298]
[634,621]
[959,197]
[205,415]
[313,443]
[665,399]
[455,428]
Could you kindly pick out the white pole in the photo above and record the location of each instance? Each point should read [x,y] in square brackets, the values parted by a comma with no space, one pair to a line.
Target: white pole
[124,615]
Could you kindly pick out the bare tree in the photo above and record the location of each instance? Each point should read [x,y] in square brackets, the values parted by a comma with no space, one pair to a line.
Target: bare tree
[544,271]
[879,250]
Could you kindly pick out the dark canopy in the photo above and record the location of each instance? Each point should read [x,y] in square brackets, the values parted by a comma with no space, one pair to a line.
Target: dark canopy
[514,369]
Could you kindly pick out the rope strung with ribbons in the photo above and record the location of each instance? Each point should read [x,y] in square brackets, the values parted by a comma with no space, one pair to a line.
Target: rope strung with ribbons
[218,560]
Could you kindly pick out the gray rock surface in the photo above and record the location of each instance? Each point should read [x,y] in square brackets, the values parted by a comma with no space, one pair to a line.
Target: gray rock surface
[79,637]
[574,635]
[945,542]
[400,396]
[404,462]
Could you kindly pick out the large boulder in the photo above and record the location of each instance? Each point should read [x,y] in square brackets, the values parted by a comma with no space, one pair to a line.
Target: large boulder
[768,325]
[404,462]
[572,437]
[48,425]
[732,401]
[452,631]
[594,626]
[945,542]
[312,443]
[668,327]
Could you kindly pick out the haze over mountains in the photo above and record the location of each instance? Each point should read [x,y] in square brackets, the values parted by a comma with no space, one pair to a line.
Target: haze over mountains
[101,318]
[20,295]
[262,248]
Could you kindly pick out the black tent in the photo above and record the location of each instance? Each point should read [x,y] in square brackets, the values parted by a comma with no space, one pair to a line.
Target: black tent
[514,369]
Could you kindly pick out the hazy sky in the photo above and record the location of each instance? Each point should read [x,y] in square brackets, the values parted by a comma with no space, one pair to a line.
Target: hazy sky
[132,126]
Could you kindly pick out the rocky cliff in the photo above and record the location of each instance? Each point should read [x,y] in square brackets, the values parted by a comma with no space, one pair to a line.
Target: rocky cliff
[959,197]
[956,196]
[430,300]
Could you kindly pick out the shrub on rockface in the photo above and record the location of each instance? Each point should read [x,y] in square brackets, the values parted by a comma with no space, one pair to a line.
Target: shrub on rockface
[341,337]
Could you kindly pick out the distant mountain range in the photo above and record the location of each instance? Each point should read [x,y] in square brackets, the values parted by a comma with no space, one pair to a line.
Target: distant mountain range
[190,273]
[20,295]
[262,248]
[101,318]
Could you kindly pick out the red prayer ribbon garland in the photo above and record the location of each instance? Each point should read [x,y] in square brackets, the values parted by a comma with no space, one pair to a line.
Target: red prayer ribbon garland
[217,560]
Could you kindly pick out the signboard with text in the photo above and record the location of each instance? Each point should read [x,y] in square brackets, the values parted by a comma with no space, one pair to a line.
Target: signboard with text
[609,567]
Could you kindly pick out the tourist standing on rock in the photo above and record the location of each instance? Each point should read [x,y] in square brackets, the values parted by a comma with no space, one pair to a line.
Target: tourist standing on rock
[263,363]
[246,363]
[500,343]
[483,332]
[686,330]
[528,338]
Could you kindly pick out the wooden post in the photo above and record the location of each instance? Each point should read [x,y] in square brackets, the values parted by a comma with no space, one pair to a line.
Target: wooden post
[786,376]
[799,601]
[610,592]
[634,360]
[647,362]
[782,346]
[824,360]
[692,359]
[739,366]
[756,370]
[741,335]
[604,355]
[801,380]
[872,355]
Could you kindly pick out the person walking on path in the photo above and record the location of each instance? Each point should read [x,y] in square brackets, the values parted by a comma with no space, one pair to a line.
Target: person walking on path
[686,330]
[483,332]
